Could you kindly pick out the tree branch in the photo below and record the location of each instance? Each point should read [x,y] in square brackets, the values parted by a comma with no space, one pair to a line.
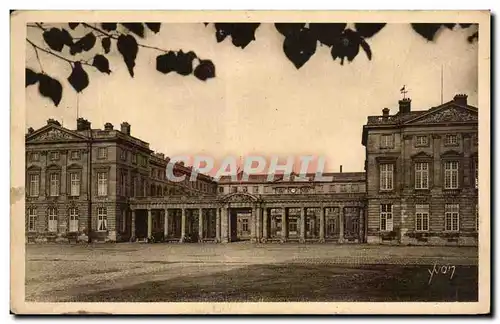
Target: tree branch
[70,62]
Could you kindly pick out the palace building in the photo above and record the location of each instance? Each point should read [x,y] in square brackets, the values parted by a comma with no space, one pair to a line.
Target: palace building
[419,186]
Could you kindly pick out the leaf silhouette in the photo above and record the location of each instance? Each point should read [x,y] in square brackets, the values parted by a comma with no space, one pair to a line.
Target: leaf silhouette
[204,70]
[66,37]
[101,63]
[300,47]
[128,48]
[86,43]
[53,39]
[368,29]
[78,79]
[184,64]
[73,25]
[106,44]
[366,48]
[347,46]
[108,26]
[136,28]
[242,34]
[426,30]
[327,33]
[167,62]
[288,29]
[154,27]
[31,77]
[49,87]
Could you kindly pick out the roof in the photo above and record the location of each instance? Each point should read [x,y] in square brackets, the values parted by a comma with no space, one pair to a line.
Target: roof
[278,178]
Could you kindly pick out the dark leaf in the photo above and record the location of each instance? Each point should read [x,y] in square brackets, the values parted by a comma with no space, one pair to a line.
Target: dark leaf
[101,63]
[106,44]
[366,48]
[31,77]
[128,48]
[368,29]
[66,37]
[78,79]
[167,62]
[449,26]
[50,88]
[426,30]
[136,28]
[300,47]
[243,34]
[206,24]
[204,70]
[465,25]
[86,43]
[473,37]
[327,33]
[184,64]
[73,25]
[288,29]
[346,46]
[222,30]
[154,27]
[108,26]
[54,39]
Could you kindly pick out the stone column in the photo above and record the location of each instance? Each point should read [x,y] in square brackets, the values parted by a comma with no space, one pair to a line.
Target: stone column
[132,225]
[302,238]
[361,223]
[183,225]
[284,224]
[258,225]
[150,223]
[253,218]
[200,225]
[217,225]
[341,224]
[265,219]
[165,224]
[224,225]
[322,225]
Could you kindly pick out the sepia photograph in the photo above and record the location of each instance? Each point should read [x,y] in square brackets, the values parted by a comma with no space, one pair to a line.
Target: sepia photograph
[225,162]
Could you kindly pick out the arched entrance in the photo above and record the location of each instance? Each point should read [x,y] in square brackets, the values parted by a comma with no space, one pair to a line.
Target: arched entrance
[240,219]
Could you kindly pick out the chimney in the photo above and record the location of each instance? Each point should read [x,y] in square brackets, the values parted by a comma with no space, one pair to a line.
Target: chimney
[82,124]
[405,106]
[53,122]
[125,128]
[385,112]
[31,130]
[341,168]
[108,126]
[460,99]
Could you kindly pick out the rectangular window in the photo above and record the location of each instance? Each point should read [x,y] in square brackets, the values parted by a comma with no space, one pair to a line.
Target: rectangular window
[355,187]
[102,183]
[123,183]
[123,155]
[256,189]
[54,156]
[422,175]
[134,158]
[54,184]
[34,185]
[451,175]
[52,221]
[386,221]
[386,176]
[75,184]
[244,225]
[75,155]
[32,219]
[221,189]
[343,187]
[331,224]
[332,188]
[451,217]
[102,153]
[422,217]
[35,157]
[234,189]
[422,140]
[292,226]
[102,219]
[387,141]
[451,139]
[73,220]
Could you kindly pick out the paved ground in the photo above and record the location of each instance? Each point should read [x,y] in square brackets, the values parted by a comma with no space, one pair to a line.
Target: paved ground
[249,272]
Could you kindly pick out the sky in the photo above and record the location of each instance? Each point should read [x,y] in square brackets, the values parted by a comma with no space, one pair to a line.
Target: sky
[259,103]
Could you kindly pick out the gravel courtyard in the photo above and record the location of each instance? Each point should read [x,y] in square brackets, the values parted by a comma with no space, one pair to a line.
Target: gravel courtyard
[248,272]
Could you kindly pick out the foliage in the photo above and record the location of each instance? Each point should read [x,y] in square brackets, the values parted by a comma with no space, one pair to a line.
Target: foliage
[299,45]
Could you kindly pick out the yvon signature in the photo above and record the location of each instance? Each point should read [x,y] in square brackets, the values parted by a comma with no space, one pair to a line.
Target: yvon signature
[441,270]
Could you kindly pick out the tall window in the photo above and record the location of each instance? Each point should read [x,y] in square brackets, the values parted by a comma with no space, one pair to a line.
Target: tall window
[123,155]
[134,158]
[292,226]
[451,139]
[244,225]
[75,155]
[386,141]
[422,217]
[123,185]
[422,140]
[75,184]
[52,221]
[102,183]
[386,176]
[102,219]
[221,189]
[73,220]
[32,219]
[35,157]
[102,153]
[451,217]
[54,184]
[422,175]
[386,221]
[34,185]
[451,175]
[331,225]
[54,156]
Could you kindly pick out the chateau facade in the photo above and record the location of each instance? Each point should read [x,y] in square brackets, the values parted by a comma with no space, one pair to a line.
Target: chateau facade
[419,187]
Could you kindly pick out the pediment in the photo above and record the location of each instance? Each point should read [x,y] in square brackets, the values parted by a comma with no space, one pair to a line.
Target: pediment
[54,133]
[446,114]
[421,155]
